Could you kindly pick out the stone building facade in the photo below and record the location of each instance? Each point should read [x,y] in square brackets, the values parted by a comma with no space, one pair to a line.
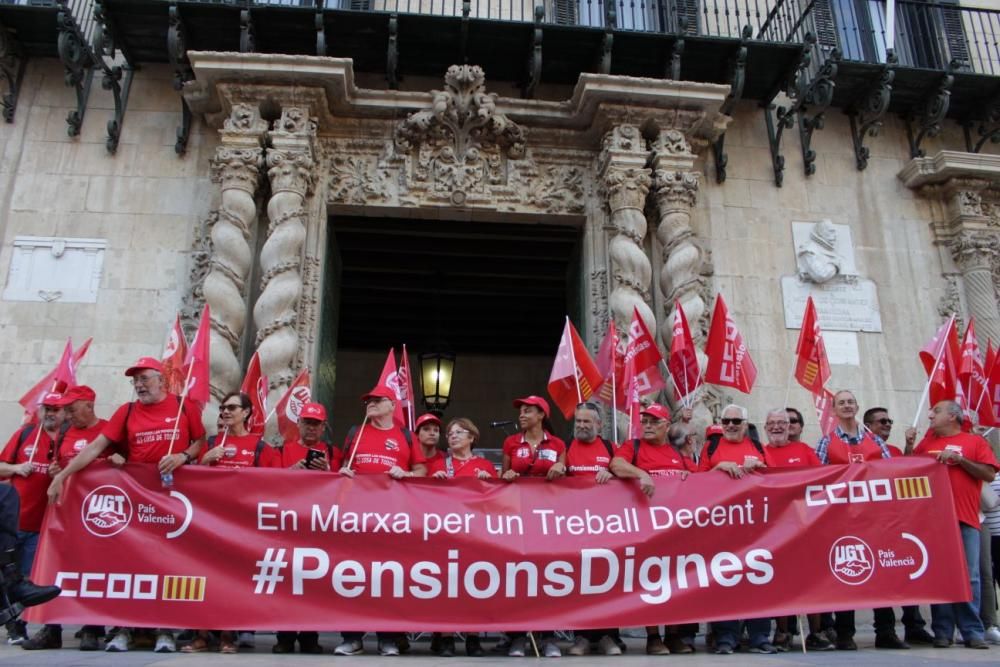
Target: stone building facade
[282,146]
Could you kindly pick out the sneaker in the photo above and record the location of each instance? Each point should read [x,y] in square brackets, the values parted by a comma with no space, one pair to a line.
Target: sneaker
[607,646]
[447,647]
[846,644]
[388,647]
[918,636]
[782,641]
[678,646]
[723,648]
[551,650]
[119,644]
[45,638]
[818,642]
[283,647]
[890,640]
[517,646]
[17,632]
[165,643]
[830,634]
[89,642]
[473,647]
[246,640]
[350,647]
[655,646]
[976,643]
[992,634]
[581,646]
[766,648]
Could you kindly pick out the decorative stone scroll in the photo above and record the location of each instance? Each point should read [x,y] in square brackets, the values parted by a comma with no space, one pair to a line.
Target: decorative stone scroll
[291,171]
[236,167]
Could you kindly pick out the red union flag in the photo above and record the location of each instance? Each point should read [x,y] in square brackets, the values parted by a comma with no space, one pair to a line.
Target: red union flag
[574,374]
[196,364]
[255,385]
[175,350]
[823,402]
[407,400]
[940,359]
[60,378]
[390,379]
[972,373]
[729,362]
[642,358]
[812,369]
[683,363]
[298,394]
[611,364]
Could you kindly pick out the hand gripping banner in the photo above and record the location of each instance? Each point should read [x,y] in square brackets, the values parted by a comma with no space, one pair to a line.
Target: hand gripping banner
[286,550]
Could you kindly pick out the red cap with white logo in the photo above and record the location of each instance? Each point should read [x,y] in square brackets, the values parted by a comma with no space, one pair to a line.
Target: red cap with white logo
[313,411]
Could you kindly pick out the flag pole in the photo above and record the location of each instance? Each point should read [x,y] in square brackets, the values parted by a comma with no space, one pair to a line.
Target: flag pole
[572,358]
[409,386]
[180,408]
[41,426]
[357,439]
[930,378]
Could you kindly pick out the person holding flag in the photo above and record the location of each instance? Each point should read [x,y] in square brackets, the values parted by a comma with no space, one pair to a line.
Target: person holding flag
[310,451]
[428,430]
[148,430]
[379,446]
[236,446]
[574,375]
[25,462]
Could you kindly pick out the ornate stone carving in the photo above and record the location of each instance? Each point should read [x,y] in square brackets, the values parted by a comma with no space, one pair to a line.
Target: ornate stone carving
[357,180]
[951,300]
[199,265]
[291,170]
[599,301]
[626,181]
[236,168]
[977,254]
[553,188]
[309,311]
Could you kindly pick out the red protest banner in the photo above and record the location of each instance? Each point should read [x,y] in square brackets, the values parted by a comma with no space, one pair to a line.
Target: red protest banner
[292,549]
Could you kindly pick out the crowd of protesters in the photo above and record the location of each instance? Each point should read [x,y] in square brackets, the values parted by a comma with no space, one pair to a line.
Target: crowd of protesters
[39,457]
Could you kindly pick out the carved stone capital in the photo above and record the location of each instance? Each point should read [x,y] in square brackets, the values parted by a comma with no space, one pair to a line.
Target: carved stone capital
[675,189]
[626,187]
[294,123]
[237,168]
[291,171]
[244,120]
[975,250]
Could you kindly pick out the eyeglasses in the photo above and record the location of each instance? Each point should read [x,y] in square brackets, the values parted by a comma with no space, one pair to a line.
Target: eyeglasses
[458,433]
[144,379]
[795,421]
[647,421]
[770,424]
[228,407]
[731,421]
[885,421]
[375,399]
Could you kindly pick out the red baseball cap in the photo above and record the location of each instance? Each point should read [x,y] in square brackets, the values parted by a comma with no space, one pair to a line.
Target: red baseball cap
[426,419]
[537,401]
[381,391]
[151,363]
[313,411]
[656,410]
[714,429]
[54,399]
[79,393]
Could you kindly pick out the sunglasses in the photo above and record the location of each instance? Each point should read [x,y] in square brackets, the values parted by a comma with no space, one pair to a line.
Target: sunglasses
[731,421]
[794,421]
[228,407]
[885,421]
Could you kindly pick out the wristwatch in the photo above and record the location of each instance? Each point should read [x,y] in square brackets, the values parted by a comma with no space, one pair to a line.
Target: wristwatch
[187,457]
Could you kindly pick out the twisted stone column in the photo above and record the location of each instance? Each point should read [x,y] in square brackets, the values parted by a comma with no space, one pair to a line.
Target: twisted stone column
[626,181]
[290,168]
[976,254]
[236,167]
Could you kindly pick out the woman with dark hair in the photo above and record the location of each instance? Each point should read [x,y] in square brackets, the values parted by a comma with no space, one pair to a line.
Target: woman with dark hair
[534,452]
[233,447]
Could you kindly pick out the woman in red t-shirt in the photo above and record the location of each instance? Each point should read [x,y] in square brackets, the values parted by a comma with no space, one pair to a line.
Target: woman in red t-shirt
[234,446]
[534,451]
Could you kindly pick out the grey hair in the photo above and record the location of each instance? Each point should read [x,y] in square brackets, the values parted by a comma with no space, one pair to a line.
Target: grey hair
[776,411]
[593,407]
[732,406]
[955,410]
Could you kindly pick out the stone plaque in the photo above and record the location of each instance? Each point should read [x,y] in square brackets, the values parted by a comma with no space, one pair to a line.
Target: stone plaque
[47,269]
[842,348]
[842,305]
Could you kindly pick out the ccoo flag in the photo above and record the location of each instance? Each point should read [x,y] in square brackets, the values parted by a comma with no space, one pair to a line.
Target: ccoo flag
[574,375]
[683,363]
[729,362]
[812,369]
[298,394]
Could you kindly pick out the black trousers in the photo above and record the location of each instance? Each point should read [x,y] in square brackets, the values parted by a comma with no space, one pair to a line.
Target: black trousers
[10,508]
[885,619]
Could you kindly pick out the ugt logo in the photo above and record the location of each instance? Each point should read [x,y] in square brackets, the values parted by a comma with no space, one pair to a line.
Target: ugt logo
[106,511]
[851,560]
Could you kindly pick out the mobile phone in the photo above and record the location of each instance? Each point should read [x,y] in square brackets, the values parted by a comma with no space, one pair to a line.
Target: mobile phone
[313,455]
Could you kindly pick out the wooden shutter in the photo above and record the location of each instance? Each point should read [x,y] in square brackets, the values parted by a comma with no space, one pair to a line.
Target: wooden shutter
[564,12]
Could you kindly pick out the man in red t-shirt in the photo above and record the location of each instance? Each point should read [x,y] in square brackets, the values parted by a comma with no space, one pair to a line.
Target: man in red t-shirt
[780,452]
[84,426]
[25,462]
[589,453]
[379,446]
[970,462]
[148,430]
[295,453]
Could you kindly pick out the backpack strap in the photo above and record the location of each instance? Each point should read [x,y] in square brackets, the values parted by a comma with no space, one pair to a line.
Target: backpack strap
[607,445]
[26,431]
[257,451]
[713,444]
[635,450]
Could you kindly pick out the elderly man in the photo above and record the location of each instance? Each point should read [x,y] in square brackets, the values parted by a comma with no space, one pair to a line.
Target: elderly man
[296,453]
[378,446]
[84,425]
[878,421]
[148,430]
[781,451]
[970,462]
[25,462]
[736,454]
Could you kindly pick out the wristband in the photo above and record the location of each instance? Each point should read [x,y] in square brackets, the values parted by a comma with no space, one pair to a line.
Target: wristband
[187,457]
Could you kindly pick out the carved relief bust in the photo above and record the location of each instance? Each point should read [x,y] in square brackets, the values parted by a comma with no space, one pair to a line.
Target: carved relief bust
[818,260]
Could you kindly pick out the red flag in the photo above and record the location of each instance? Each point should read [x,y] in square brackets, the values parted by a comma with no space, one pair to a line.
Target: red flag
[175,351]
[812,369]
[972,377]
[642,358]
[991,357]
[255,385]
[729,362]
[683,363]
[633,402]
[60,378]
[407,400]
[940,358]
[298,394]
[196,363]
[823,401]
[390,379]
[574,374]
[611,365]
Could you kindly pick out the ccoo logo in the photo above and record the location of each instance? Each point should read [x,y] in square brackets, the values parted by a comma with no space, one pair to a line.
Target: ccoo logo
[852,560]
[106,511]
